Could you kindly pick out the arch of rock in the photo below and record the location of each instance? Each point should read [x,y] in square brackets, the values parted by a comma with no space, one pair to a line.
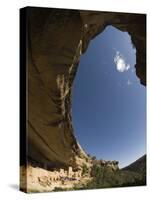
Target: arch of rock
[56,39]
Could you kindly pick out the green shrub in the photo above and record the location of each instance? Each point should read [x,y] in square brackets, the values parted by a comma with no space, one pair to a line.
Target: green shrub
[56,189]
[85,169]
[104,177]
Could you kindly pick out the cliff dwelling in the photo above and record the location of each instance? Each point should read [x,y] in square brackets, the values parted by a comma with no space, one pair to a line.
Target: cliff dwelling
[56,41]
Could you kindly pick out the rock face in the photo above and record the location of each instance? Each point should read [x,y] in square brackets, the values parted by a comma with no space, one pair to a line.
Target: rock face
[56,39]
[138,166]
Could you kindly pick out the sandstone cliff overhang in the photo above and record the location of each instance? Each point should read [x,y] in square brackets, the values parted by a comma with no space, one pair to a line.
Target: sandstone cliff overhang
[55,40]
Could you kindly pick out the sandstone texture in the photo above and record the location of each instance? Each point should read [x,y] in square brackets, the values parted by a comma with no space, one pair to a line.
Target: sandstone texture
[56,39]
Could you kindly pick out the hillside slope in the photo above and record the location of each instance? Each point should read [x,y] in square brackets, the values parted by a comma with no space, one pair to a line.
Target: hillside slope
[139,166]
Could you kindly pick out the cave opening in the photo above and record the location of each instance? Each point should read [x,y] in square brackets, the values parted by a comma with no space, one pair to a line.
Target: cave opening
[108,104]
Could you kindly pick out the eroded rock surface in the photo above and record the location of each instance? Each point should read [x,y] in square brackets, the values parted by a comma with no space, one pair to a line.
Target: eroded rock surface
[56,39]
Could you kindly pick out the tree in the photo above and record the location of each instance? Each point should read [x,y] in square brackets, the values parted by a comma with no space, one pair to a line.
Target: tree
[85,169]
[93,157]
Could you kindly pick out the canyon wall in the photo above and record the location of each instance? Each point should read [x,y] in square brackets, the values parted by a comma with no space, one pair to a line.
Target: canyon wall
[56,39]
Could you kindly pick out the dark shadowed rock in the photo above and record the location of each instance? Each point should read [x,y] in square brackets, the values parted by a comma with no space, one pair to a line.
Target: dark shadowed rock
[138,166]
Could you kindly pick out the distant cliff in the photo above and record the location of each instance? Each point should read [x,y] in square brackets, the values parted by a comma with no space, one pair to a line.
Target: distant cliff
[138,166]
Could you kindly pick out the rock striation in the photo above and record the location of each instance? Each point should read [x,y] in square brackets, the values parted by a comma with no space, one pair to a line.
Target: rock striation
[56,38]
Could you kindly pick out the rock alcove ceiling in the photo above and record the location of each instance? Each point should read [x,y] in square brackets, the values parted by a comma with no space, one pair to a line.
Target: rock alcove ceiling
[56,39]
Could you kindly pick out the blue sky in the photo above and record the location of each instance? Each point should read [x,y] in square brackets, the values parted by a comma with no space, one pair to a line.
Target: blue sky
[109,103]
